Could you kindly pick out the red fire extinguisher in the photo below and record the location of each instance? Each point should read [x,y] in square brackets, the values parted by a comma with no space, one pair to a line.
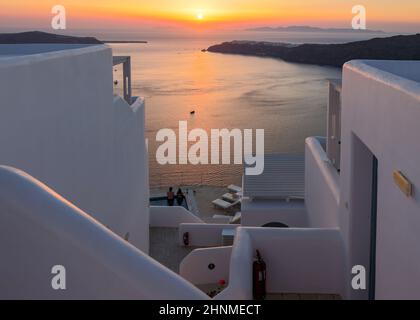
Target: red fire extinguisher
[259,278]
[186,238]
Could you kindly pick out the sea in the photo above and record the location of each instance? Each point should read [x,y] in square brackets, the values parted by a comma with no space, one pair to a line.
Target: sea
[287,100]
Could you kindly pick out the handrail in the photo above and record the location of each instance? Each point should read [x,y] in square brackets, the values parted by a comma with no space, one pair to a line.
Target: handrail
[126,62]
[171,217]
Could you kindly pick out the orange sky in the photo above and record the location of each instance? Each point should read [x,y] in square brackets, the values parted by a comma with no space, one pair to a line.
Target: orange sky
[81,14]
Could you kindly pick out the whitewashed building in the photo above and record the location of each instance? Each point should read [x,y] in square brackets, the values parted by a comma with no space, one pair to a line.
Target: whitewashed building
[74,190]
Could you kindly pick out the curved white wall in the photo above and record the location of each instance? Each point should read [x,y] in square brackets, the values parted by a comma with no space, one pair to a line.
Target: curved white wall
[61,124]
[195,266]
[40,229]
[240,269]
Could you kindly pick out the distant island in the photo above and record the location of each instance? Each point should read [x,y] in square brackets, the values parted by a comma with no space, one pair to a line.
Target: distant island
[124,41]
[45,37]
[391,48]
[312,29]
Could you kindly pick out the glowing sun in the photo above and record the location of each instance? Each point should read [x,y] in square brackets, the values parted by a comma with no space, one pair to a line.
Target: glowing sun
[200,15]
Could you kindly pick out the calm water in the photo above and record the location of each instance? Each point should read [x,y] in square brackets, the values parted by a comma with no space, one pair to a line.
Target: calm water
[227,91]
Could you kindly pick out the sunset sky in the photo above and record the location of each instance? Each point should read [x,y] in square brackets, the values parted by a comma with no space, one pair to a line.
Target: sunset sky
[388,15]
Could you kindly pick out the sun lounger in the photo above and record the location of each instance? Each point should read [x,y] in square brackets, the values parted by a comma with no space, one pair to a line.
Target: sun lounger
[233,188]
[222,204]
[236,218]
[229,197]
[224,219]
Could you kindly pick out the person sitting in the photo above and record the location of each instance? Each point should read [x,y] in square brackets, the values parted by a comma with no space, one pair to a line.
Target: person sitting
[171,197]
[180,197]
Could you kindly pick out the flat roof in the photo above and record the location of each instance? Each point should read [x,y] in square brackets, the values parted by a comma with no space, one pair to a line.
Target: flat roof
[15,50]
[401,75]
[283,177]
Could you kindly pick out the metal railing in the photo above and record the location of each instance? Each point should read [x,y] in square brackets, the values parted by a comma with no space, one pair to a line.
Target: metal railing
[334,123]
[126,62]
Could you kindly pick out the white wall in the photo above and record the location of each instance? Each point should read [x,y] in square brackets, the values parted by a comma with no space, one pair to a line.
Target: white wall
[204,234]
[40,229]
[298,261]
[240,270]
[382,110]
[321,187]
[220,219]
[60,123]
[302,260]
